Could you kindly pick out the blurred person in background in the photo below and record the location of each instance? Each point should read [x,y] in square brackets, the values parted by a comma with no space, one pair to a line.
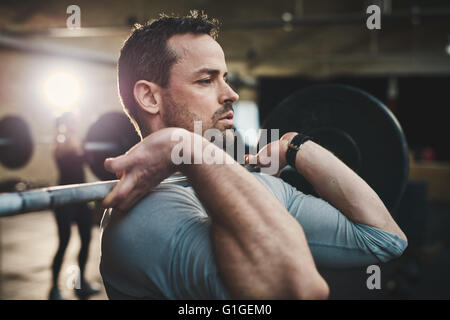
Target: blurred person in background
[69,157]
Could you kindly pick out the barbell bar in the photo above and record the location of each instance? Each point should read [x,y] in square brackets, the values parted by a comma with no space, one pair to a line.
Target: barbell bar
[14,203]
[347,121]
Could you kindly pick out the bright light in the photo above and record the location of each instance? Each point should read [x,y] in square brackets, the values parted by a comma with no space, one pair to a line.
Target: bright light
[62,90]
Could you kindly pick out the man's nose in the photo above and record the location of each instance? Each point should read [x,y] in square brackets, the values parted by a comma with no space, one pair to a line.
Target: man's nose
[228,94]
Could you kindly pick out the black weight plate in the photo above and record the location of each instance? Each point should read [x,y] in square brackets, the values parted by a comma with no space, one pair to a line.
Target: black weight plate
[113,128]
[19,149]
[356,127]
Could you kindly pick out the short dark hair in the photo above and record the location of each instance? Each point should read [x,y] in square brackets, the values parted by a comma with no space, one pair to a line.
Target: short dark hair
[146,56]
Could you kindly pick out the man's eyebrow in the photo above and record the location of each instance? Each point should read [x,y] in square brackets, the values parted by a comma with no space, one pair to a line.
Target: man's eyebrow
[212,72]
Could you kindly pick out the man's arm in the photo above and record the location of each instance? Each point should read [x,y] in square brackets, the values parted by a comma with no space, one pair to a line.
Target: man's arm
[343,188]
[260,249]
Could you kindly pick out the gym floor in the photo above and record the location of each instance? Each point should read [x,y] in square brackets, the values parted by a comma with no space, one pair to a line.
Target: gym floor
[29,241]
[28,244]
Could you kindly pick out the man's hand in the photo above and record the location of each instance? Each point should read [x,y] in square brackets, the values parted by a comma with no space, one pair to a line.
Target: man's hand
[263,158]
[141,169]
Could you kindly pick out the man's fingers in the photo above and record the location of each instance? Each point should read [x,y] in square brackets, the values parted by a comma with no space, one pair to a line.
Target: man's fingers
[117,164]
[110,200]
[288,136]
[251,160]
[130,200]
[120,191]
[134,196]
[120,174]
[128,191]
[260,160]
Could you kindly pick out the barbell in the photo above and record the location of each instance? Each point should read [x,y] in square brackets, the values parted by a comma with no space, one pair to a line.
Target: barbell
[111,135]
[14,203]
[358,128]
[16,145]
[349,122]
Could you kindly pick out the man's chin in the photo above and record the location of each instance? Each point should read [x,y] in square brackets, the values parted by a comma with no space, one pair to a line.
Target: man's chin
[222,127]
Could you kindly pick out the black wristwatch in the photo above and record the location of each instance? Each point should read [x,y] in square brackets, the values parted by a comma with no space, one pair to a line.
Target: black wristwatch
[293,148]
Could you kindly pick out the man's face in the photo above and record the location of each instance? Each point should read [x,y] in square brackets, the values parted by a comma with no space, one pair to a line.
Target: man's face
[197,89]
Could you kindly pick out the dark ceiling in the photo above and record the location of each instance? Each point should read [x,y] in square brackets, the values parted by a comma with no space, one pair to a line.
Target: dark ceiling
[322,37]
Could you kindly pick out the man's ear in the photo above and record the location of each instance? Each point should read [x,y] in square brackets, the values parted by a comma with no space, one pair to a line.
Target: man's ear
[148,96]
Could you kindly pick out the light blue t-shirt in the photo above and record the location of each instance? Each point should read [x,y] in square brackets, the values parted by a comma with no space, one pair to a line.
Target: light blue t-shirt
[161,248]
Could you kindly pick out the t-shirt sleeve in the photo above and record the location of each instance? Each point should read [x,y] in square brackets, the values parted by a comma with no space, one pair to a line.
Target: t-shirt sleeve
[334,240]
[163,249]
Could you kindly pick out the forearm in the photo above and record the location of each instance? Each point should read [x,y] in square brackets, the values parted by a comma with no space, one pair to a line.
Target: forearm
[258,244]
[336,183]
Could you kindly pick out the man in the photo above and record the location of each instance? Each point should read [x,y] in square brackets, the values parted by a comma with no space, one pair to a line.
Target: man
[232,233]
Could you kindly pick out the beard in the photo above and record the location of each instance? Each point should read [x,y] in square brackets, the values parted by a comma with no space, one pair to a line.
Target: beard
[177,115]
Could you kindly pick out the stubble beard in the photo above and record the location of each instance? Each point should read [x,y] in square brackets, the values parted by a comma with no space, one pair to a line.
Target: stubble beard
[177,115]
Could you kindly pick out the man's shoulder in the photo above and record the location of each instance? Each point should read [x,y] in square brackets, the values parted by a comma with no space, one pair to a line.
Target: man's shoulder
[165,206]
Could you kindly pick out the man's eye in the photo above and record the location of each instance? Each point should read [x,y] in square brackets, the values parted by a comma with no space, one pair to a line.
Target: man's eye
[205,81]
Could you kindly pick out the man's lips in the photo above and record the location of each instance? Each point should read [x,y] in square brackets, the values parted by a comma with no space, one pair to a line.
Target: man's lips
[227,119]
[228,116]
